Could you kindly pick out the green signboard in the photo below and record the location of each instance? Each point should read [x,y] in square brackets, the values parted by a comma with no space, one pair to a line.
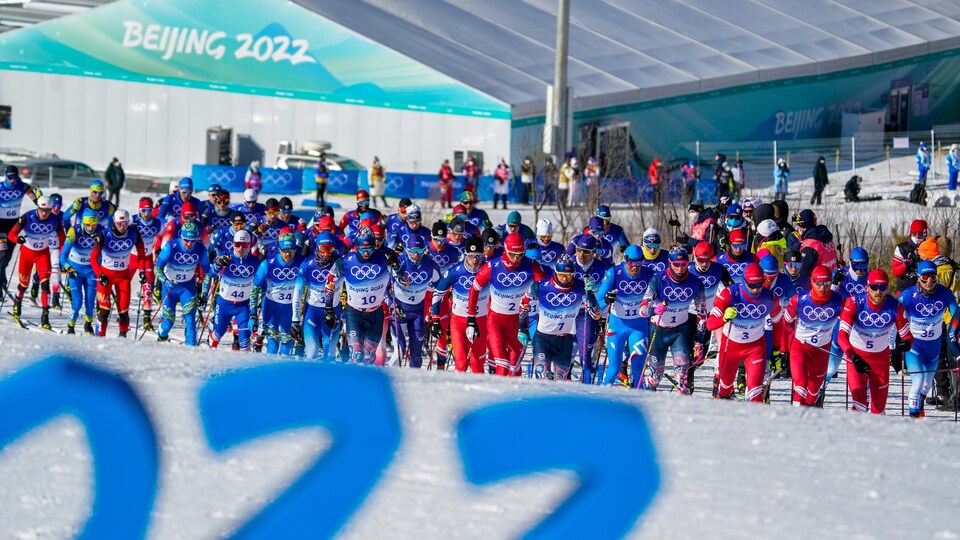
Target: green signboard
[263,47]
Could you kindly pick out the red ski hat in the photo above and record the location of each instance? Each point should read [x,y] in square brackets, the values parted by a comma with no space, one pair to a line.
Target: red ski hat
[362,195]
[820,273]
[753,274]
[513,242]
[145,203]
[738,236]
[918,226]
[878,276]
[703,251]
[188,210]
[326,223]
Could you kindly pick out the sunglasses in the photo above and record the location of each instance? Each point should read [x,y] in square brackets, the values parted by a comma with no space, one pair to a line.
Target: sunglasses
[633,264]
[678,264]
[791,265]
[738,246]
[928,277]
[652,246]
[273,212]
[859,268]
[439,238]
[580,250]
[241,245]
[416,251]
[878,287]
[753,286]
[366,251]
[515,254]
[820,284]
[467,203]
[473,256]
[703,262]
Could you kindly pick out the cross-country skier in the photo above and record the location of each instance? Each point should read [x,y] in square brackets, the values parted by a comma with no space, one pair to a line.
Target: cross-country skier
[653,257]
[410,298]
[274,284]
[712,276]
[111,261]
[350,221]
[12,192]
[149,228]
[366,278]
[668,304]
[815,314]
[549,250]
[612,232]
[559,300]
[749,315]
[445,256]
[309,303]
[413,226]
[254,212]
[95,201]
[590,269]
[177,268]
[459,282]
[169,209]
[623,289]
[509,278]
[926,303]
[75,263]
[849,281]
[867,324]
[234,290]
[36,231]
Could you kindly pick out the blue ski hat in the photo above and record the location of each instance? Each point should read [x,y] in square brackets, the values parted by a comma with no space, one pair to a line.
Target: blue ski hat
[585,241]
[596,225]
[365,238]
[769,264]
[414,241]
[678,254]
[603,212]
[633,253]
[190,231]
[859,257]
[287,241]
[533,251]
[56,199]
[186,184]
[926,268]
[326,238]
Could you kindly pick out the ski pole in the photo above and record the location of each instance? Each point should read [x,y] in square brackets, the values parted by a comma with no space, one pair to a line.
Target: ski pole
[159,309]
[16,262]
[211,300]
[136,327]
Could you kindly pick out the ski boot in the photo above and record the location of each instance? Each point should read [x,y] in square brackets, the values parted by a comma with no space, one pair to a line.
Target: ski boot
[820,399]
[163,338]
[17,306]
[88,328]
[45,319]
[123,333]
[56,302]
[71,327]
[236,343]
[147,321]
[257,344]
[34,290]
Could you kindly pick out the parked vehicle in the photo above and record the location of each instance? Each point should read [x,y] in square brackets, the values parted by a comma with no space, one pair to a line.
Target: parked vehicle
[310,154]
[65,173]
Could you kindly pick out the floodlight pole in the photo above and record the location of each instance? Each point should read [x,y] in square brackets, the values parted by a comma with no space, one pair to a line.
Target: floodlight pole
[559,109]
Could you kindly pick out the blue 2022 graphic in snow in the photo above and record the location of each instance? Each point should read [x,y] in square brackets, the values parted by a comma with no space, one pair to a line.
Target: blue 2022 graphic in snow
[356,406]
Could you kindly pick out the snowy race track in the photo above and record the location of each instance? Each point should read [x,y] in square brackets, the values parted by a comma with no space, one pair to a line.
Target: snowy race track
[728,469]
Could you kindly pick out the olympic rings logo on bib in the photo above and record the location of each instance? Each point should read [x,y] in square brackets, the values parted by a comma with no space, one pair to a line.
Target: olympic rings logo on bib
[815,313]
[548,256]
[708,281]
[284,274]
[929,310]
[632,287]
[512,280]
[241,270]
[10,195]
[736,269]
[658,267]
[677,294]
[441,259]
[120,245]
[751,311]
[365,272]
[85,242]
[465,281]
[561,299]
[41,228]
[188,259]
[319,275]
[855,288]
[874,320]
[418,277]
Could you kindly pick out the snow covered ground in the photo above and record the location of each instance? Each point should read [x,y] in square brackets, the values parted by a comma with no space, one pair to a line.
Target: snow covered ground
[727,469]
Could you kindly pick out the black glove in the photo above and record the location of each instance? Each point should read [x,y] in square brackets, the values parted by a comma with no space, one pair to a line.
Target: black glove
[223,260]
[296,331]
[21,239]
[143,277]
[103,280]
[610,297]
[673,222]
[838,276]
[201,301]
[392,261]
[623,248]
[904,345]
[913,258]
[435,330]
[401,314]
[859,363]
[472,330]
[329,317]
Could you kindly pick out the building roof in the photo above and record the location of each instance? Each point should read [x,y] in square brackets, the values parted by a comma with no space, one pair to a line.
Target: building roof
[626,51]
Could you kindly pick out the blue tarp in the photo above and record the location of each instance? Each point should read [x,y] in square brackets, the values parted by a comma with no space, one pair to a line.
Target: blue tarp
[282,181]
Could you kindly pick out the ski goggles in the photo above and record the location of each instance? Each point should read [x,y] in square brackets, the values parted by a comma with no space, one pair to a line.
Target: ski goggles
[820,284]
[878,287]
[417,251]
[273,211]
[753,286]
[325,249]
[678,265]
[792,265]
[738,246]
[860,268]
[473,255]
[702,262]
[585,251]
[927,277]
[651,245]
[439,239]
[515,254]
[241,245]
[366,251]
[186,192]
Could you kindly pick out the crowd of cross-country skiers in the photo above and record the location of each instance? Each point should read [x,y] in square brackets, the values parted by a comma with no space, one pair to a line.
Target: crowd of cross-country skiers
[768,292]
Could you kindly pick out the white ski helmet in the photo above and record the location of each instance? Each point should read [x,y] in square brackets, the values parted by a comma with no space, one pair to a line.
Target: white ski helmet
[45,203]
[121,216]
[241,237]
[544,227]
[250,195]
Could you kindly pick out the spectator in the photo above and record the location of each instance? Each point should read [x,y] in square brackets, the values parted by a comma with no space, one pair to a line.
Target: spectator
[575,185]
[445,180]
[377,176]
[568,173]
[501,183]
[471,173]
[780,177]
[953,166]
[688,173]
[739,178]
[321,177]
[654,174]
[923,162]
[725,185]
[851,191]
[550,179]
[592,176]
[253,179]
[115,178]
[820,180]
[527,173]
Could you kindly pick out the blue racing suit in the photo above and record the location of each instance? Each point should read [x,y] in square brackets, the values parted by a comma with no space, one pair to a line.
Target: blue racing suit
[276,280]
[627,329]
[925,313]
[308,306]
[177,269]
[233,298]
[75,262]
